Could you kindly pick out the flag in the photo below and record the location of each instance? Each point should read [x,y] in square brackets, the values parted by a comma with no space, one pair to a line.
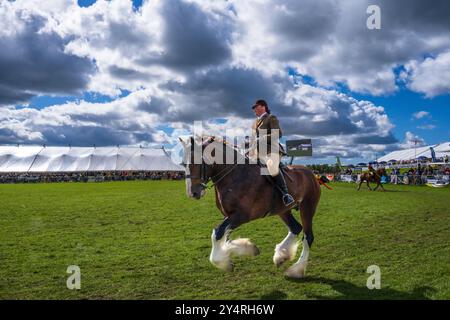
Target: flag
[433,154]
[338,162]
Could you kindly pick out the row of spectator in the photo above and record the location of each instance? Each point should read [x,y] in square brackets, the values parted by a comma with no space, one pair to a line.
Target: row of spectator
[420,170]
[90,176]
[414,176]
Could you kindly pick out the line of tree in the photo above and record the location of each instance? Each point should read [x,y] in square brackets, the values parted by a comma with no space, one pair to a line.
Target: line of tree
[324,168]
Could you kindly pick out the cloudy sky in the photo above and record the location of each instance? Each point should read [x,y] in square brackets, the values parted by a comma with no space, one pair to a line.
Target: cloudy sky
[141,72]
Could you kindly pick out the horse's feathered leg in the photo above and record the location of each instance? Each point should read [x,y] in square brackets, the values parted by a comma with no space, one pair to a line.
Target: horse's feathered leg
[219,255]
[223,248]
[360,183]
[307,210]
[286,249]
[368,186]
[222,228]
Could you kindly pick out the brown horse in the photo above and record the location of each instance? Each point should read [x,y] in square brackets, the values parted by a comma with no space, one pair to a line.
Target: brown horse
[243,194]
[376,177]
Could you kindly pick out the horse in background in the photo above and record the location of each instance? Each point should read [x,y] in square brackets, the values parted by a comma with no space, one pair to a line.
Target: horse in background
[375,178]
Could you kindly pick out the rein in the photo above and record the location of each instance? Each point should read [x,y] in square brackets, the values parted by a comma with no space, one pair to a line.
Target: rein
[205,179]
[203,174]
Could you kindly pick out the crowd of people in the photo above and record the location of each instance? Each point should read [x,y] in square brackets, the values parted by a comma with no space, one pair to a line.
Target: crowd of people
[423,161]
[414,175]
[418,175]
[89,176]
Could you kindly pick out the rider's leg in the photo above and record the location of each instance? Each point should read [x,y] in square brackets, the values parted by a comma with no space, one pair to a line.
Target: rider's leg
[273,166]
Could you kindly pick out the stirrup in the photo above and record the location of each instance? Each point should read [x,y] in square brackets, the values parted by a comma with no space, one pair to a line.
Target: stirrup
[288,200]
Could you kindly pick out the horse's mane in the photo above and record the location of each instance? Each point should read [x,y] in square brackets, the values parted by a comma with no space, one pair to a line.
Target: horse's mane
[223,142]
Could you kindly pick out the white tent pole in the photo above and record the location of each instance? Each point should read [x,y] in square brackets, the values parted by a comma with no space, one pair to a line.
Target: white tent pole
[35,157]
[137,150]
[117,158]
[90,158]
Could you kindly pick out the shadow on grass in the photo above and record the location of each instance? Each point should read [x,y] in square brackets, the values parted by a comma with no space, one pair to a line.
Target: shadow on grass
[349,290]
[274,295]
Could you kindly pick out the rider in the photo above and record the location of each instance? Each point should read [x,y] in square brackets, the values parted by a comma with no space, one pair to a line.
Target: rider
[266,123]
[371,170]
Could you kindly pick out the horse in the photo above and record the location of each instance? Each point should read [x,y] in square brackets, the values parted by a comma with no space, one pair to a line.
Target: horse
[376,177]
[243,194]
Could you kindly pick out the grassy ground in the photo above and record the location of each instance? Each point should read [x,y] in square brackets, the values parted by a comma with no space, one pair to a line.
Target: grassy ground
[147,240]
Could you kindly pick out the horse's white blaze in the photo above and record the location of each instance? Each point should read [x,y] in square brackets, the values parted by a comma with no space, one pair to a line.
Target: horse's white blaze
[220,256]
[286,249]
[298,269]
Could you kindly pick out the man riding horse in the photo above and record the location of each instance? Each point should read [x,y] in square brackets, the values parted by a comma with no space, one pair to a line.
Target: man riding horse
[266,130]
[372,176]
[371,170]
[244,194]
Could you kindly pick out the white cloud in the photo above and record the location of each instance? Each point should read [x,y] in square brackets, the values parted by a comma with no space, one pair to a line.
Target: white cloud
[329,41]
[427,127]
[411,140]
[421,114]
[430,76]
[127,120]
[204,59]
[171,40]
[151,117]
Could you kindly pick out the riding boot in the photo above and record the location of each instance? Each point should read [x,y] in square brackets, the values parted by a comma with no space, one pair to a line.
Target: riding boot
[281,183]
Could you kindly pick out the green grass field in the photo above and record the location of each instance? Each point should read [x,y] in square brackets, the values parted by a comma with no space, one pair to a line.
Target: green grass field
[147,240]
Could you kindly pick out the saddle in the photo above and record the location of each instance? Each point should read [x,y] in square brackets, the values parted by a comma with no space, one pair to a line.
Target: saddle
[284,169]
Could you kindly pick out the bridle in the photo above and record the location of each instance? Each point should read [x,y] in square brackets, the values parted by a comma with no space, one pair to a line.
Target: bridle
[204,178]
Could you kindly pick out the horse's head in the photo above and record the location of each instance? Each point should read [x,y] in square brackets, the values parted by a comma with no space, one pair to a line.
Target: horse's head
[195,166]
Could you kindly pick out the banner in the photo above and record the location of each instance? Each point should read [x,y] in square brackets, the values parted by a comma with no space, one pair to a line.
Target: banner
[299,148]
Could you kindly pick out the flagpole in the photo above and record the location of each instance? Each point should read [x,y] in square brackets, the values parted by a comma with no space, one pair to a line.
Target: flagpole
[415,152]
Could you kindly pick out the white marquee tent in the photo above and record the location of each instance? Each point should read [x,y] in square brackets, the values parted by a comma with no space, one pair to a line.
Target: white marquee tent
[440,150]
[72,159]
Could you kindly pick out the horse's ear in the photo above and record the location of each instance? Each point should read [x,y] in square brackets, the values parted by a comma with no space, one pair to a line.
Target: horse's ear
[197,139]
[184,141]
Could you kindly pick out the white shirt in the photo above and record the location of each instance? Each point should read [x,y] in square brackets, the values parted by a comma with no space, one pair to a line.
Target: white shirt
[259,118]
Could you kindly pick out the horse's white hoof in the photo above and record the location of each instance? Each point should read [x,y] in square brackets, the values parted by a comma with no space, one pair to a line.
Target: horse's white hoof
[284,252]
[225,265]
[297,271]
[221,260]
[280,257]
